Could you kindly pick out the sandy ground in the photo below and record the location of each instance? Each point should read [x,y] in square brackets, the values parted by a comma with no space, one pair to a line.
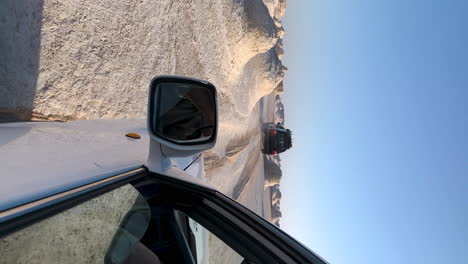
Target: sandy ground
[246,183]
[268,103]
[241,174]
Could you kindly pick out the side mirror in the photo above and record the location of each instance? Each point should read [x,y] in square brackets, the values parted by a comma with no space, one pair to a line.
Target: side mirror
[182,114]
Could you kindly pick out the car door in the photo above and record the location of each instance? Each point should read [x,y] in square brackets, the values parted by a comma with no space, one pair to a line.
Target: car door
[248,234]
[143,217]
[153,214]
[74,226]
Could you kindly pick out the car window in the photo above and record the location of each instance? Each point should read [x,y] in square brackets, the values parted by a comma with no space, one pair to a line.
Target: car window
[208,248]
[84,233]
[219,252]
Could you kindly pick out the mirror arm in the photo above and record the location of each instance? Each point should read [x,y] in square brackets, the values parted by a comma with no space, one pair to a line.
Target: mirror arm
[157,161]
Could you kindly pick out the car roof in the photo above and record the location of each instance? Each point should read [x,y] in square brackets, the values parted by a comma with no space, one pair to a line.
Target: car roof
[40,159]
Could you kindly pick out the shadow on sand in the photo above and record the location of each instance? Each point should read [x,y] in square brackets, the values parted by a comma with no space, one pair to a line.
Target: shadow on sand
[20,44]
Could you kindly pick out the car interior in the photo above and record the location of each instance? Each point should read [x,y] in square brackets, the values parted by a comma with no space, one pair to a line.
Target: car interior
[154,231]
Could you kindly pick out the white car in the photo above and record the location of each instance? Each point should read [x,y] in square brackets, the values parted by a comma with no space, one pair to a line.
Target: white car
[126,191]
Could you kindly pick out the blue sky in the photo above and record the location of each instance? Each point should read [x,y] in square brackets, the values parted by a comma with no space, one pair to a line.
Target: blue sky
[377,98]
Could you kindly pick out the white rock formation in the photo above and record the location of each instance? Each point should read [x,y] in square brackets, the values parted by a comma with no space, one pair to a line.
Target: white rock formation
[97,58]
[275,197]
[276,9]
[279,109]
[273,171]
[275,214]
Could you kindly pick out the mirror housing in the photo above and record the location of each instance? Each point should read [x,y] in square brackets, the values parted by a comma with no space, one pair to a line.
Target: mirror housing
[182,115]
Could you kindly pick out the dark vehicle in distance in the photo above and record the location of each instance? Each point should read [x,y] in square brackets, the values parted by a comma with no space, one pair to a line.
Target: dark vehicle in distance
[276,139]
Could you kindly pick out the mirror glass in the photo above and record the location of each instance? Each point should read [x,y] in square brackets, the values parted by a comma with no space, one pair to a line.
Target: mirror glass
[184,112]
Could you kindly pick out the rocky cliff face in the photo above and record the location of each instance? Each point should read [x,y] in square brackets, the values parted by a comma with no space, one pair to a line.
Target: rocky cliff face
[94,59]
[275,204]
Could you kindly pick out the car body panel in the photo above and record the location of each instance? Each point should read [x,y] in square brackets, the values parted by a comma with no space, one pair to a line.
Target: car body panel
[40,159]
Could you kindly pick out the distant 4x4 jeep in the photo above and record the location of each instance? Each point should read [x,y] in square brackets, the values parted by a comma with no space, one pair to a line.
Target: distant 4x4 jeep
[277,139]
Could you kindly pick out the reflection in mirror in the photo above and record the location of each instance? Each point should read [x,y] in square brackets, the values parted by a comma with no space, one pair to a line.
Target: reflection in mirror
[184,113]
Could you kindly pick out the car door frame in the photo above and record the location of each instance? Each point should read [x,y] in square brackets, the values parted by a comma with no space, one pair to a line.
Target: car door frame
[17,218]
[250,235]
